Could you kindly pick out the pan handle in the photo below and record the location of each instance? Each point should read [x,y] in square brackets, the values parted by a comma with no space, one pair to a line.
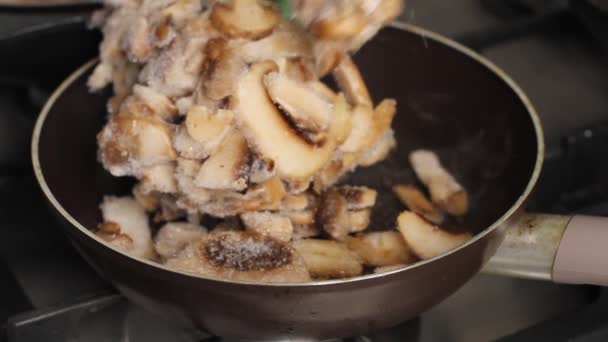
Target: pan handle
[563,249]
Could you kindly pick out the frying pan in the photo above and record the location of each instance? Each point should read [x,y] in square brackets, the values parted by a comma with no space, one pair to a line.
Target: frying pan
[451,100]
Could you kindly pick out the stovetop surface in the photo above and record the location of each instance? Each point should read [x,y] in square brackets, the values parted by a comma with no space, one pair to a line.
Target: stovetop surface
[562,70]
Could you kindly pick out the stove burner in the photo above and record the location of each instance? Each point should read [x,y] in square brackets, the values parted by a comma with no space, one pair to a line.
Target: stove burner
[110,317]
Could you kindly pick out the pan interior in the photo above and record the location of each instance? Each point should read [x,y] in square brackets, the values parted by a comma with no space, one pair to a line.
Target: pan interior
[447,102]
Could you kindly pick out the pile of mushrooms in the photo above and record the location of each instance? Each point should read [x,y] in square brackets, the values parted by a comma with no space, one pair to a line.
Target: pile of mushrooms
[218,110]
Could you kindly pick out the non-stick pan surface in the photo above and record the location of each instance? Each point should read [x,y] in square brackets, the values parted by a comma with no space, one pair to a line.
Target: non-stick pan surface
[449,100]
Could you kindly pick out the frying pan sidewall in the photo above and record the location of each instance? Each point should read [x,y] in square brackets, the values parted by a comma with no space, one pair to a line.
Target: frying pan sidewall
[76,182]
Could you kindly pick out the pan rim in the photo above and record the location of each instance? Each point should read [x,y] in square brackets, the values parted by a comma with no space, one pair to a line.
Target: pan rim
[426,34]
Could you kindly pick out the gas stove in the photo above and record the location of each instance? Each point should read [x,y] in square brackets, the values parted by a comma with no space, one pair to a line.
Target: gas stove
[51,294]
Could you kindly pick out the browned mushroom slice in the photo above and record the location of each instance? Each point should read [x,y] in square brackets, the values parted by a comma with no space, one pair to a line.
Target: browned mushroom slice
[174,236]
[132,222]
[164,33]
[379,150]
[417,202]
[148,200]
[269,224]
[300,69]
[160,178]
[309,111]
[169,211]
[261,170]
[231,223]
[443,187]
[333,214]
[221,68]
[426,240]
[110,231]
[351,82]
[228,167]
[288,42]
[158,102]
[358,197]
[244,18]
[342,20]
[381,248]
[328,259]
[270,134]
[305,231]
[128,143]
[242,256]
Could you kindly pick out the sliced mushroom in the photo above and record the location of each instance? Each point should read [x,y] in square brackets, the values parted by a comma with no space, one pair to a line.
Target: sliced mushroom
[300,69]
[244,19]
[296,187]
[342,20]
[379,150]
[148,200]
[221,68]
[138,41]
[351,82]
[323,90]
[358,220]
[158,102]
[261,170]
[175,70]
[169,210]
[159,178]
[174,236]
[443,187]
[381,248]
[328,54]
[268,224]
[361,136]
[417,202]
[333,215]
[358,197]
[306,108]
[328,259]
[128,143]
[297,202]
[207,127]
[426,240]
[182,11]
[228,167]
[305,231]
[164,33]
[131,221]
[242,256]
[303,217]
[270,134]
[285,43]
